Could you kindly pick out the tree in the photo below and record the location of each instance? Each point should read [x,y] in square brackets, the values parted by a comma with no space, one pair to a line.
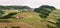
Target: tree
[9,15]
[44,10]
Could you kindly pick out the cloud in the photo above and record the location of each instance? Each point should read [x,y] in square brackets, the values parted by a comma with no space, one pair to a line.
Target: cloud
[31,3]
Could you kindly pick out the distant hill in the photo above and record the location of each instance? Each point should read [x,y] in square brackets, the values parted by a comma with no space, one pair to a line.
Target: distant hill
[14,7]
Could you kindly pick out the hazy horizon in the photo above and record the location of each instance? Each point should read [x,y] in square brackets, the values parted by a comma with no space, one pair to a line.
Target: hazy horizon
[31,3]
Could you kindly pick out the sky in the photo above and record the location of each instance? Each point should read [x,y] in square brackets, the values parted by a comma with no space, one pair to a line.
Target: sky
[31,3]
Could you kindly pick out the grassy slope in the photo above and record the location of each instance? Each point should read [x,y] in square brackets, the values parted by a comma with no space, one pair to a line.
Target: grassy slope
[53,17]
[35,20]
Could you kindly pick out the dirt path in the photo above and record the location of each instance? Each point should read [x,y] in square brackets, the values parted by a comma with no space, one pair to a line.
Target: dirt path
[20,24]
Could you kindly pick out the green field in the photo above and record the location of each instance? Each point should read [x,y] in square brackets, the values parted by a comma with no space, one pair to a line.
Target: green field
[33,18]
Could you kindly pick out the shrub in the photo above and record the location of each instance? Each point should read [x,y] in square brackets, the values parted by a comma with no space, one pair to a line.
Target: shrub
[15,27]
[5,27]
[58,23]
[50,26]
[9,15]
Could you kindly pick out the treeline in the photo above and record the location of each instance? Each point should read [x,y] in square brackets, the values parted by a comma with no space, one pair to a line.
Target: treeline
[14,7]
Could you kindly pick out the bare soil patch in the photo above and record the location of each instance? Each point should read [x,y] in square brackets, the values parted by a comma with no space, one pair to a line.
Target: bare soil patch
[15,24]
